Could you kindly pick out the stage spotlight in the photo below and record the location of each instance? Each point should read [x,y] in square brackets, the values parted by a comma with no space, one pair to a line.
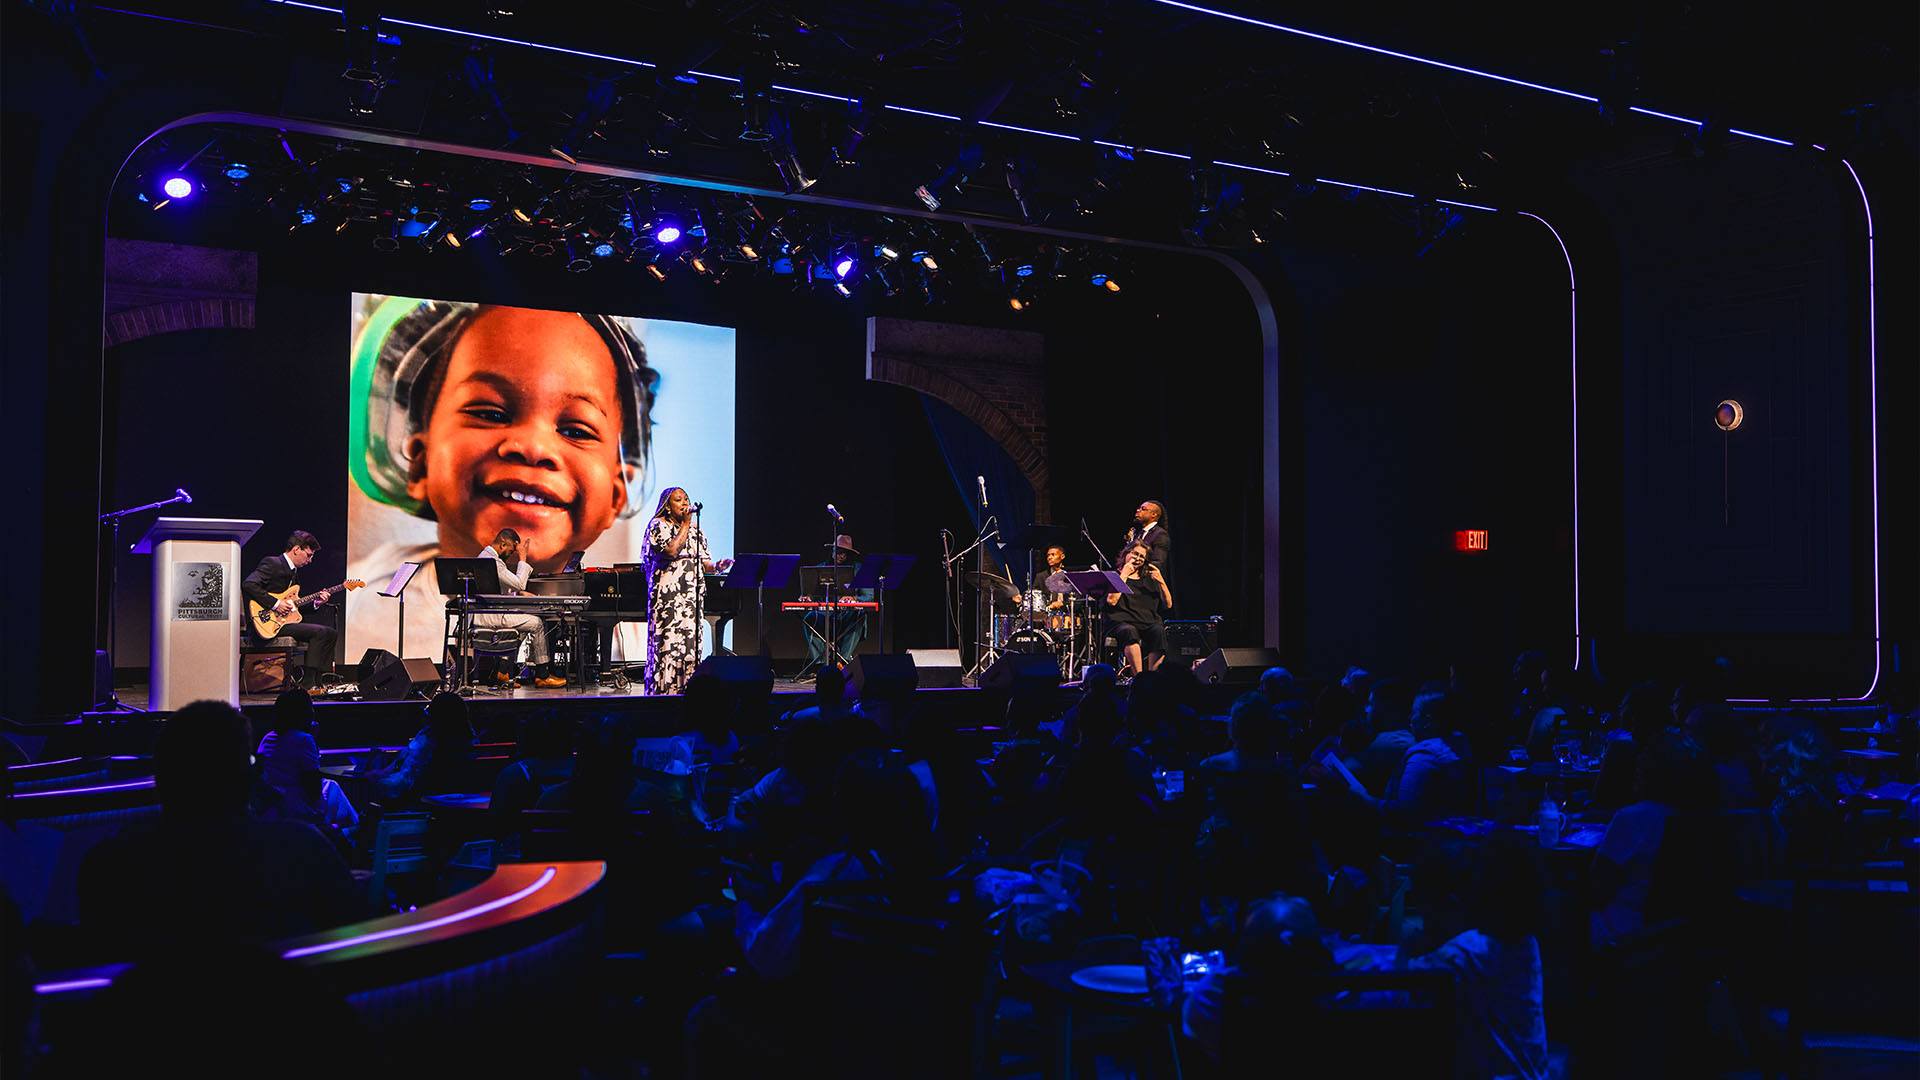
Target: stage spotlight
[305,216]
[952,178]
[522,216]
[925,259]
[1023,270]
[756,107]
[886,251]
[1016,303]
[658,274]
[751,254]
[345,184]
[1111,285]
[781,264]
[238,171]
[667,233]
[453,239]
[177,187]
[387,240]
[480,205]
[843,266]
[841,288]
[698,263]
[577,263]
[603,250]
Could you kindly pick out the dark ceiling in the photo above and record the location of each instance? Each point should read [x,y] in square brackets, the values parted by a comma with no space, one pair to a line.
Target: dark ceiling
[1137,119]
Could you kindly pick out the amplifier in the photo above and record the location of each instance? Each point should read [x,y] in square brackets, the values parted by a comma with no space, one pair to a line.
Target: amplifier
[1192,639]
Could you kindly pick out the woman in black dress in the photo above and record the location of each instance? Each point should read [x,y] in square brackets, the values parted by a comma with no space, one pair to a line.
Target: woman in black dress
[1137,620]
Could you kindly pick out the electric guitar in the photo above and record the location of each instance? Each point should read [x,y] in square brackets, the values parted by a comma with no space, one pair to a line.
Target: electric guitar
[267,624]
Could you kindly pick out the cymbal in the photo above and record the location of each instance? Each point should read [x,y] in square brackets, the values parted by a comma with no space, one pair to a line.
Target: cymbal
[1057,582]
[999,587]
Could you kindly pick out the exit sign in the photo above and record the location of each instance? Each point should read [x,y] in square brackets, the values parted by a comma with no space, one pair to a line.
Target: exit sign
[1474,540]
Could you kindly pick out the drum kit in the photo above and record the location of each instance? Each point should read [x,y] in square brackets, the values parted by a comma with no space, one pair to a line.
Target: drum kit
[1056,620]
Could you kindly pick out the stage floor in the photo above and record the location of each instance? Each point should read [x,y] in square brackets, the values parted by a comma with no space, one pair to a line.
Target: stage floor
[137,696]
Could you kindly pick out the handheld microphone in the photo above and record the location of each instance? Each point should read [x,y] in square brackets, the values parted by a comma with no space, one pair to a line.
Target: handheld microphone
[982,481]
[835,513]
[181,494]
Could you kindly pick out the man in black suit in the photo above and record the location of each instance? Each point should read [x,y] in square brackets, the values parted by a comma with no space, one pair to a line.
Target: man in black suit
[1150,528]
[274,574]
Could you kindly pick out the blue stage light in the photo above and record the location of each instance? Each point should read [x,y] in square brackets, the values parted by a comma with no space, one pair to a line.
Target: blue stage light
[177,187]
[238,171]
[1023,270]
[305,216]
[603,249]
[667,234]
[842,268]
[480,205]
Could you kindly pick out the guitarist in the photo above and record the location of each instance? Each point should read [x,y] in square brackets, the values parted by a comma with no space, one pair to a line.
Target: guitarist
[274,574]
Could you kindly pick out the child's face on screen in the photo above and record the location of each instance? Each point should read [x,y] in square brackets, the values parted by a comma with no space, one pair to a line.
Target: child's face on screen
[524,435]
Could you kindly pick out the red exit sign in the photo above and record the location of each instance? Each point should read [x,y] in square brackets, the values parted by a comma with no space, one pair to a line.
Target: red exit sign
[1474,540]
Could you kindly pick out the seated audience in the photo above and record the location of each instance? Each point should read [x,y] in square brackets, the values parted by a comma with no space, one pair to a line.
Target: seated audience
[208,871]
[434,761]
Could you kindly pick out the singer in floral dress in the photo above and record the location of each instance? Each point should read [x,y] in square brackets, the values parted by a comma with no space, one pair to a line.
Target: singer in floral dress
[676,556]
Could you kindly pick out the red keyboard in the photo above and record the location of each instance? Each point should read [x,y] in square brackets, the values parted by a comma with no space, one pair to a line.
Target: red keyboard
[821,605]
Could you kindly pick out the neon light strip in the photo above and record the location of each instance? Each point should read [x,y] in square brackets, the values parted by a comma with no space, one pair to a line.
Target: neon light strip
[1363,187]
[1573,312]
[1331,40]
[477,36]
[923,112]
[814,93]
[129,785]
[1251,168]
[448,919]
[1029,131]
[707,75]
[72,984]
[1873,407]
[1472,206]
[43,764]
[1430,62]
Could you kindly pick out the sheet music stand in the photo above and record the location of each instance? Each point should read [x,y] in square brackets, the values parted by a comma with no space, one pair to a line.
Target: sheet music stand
[396,589]
[466,578]
[882,573]
[1089,585]
[760,572]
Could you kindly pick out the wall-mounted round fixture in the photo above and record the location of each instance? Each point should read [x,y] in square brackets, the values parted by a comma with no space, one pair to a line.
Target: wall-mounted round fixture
[1728,414]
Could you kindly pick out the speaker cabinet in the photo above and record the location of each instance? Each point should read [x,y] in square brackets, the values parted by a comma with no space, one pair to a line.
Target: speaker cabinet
[936,668]
[1021,671]
[1235,667]
[402,679]
[879,675]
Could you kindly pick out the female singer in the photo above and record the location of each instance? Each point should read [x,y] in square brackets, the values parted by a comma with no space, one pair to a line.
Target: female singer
[1137,620]
[676,556]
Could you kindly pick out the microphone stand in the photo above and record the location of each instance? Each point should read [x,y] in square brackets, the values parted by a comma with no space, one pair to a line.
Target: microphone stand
[700,593]
[113,518]
[985,652]
[1095,544]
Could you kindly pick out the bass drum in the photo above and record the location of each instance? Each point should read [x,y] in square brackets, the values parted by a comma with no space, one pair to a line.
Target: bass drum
[1029,639]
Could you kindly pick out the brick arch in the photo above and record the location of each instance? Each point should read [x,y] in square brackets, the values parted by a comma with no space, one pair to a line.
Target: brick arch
[165,317]
[1030,459]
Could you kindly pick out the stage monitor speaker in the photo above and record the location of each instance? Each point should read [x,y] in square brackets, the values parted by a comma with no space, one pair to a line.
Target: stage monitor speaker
[881,675]
[936,668]
[371,663]
[1022,671]
[739,673]
[400,680]
[1235,666]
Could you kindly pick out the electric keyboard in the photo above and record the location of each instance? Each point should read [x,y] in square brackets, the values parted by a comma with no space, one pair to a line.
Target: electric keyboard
[821,605]
[533,605]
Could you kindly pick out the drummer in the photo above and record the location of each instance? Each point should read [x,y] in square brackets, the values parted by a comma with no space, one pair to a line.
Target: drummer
[1054,578]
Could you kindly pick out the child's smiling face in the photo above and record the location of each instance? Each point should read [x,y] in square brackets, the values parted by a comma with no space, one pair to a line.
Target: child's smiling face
[524,435]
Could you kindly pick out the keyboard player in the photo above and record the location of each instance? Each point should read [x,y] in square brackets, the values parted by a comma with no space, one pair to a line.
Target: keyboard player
[849,628]
[509,553]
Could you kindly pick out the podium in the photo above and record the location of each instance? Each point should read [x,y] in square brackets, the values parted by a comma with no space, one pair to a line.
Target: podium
[197,609]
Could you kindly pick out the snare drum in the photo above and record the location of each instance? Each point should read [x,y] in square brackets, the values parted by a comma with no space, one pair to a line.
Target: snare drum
[1062,622]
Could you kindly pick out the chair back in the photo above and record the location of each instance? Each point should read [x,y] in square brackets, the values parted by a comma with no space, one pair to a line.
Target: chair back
[399,847]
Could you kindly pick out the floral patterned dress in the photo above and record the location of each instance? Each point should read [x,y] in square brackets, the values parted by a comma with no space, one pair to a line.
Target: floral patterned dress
[678,594]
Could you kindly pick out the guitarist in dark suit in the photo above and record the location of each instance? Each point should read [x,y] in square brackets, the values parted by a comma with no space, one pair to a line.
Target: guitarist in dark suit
[274,574]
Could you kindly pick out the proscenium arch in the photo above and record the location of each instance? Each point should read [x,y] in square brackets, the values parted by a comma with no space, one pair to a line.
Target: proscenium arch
[1272,630]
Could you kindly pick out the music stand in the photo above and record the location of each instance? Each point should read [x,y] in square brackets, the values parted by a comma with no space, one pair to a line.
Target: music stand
[760,573]
[396,589]
[831,579]
[1089,585]
[882,573]
[466,578]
